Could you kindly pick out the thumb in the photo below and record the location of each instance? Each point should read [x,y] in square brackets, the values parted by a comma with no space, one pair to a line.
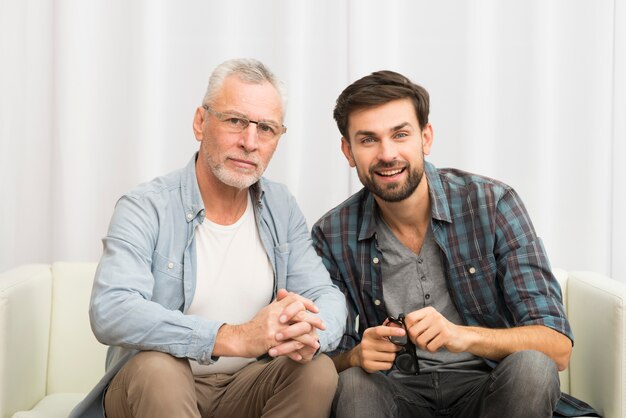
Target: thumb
[281,294]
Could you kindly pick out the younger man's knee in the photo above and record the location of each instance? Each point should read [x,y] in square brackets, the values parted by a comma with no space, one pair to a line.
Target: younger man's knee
[532,372]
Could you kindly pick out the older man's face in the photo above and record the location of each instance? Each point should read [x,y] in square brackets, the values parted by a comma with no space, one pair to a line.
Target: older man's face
[238,159]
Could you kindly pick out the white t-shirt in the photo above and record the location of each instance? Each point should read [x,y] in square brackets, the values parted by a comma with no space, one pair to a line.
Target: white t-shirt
[235,279]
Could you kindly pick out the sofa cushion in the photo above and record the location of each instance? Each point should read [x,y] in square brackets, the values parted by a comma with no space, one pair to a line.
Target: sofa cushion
[76,361]
[53,406]
[24,335]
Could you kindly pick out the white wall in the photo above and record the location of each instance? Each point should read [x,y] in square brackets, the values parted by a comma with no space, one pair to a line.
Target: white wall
[97,96]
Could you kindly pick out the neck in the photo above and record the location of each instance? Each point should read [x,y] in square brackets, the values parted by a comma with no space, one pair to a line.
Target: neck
[223,204]
[409,219]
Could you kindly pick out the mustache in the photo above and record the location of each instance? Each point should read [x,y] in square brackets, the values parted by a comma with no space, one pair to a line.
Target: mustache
[382,165]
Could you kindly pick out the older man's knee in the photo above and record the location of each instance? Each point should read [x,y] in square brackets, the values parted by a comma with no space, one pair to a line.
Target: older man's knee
[151,371]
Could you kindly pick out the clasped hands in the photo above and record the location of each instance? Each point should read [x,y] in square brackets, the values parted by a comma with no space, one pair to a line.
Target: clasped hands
[286,327]
[296,335]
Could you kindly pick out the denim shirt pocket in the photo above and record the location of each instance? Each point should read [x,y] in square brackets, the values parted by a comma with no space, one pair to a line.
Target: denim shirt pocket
[168,282]
[476,281]
[281,256]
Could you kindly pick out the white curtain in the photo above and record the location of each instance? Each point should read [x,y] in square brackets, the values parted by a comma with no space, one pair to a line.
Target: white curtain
[97,96]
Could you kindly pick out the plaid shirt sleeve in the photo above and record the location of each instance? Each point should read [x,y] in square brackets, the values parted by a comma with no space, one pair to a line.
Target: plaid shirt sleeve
[498,270]
[530,290]
[323,241]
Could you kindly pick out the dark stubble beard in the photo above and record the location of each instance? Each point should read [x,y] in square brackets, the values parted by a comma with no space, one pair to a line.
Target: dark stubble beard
[394,192]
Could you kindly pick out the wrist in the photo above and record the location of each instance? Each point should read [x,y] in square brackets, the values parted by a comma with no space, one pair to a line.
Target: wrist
[354,356]
[227,341]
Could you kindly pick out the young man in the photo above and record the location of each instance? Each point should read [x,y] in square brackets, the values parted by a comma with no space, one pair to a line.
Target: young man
[209,292]
[452,307]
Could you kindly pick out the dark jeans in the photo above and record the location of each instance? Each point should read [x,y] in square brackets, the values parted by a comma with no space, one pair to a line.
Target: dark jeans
[525,384]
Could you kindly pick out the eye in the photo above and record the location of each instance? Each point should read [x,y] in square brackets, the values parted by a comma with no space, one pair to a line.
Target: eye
[367,140]
[237,122]
[401,135]
[266,128]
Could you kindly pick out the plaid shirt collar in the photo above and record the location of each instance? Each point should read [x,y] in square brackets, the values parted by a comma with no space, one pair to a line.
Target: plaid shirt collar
[438,199]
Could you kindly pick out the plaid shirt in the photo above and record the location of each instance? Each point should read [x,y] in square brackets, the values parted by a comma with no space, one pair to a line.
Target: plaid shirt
[497,270]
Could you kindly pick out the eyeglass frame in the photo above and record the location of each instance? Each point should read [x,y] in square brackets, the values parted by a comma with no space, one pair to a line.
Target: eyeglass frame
[408,347]
[223,117]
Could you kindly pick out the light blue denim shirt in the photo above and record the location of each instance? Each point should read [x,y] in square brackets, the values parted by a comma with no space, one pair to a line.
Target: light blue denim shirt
[146,278]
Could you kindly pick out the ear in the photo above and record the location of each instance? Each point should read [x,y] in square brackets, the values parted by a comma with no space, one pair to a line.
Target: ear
[198,121]
[427,138]
[347,151]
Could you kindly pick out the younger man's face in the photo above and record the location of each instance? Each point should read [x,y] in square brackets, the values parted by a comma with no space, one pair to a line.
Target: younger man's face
[387,147]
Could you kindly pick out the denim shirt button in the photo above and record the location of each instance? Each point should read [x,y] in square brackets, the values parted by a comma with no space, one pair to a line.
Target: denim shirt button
[170,265]
[376,260]
[472,270]
[189,215]
[377,302]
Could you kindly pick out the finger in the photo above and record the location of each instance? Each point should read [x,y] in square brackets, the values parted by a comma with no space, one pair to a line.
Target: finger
[285,348]
[292,297]
[314,320]
[431,325]
[380,356]
[293,331]
[291,310]
[310,341]
[375,366]
[383,331]
[281,294]
[379,349]
[307,354]
[419,315]
[435,344]
[426,337]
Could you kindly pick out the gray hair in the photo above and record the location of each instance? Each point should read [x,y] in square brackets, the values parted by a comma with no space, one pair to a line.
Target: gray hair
[248,70]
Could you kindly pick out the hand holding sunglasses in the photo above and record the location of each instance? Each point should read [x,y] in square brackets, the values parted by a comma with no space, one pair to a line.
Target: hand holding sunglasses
[406,359]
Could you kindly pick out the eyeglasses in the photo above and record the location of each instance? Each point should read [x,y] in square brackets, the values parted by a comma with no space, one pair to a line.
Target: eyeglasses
[235,124]
[406,359]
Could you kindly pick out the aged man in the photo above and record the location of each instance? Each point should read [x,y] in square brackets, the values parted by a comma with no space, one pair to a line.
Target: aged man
[209,291]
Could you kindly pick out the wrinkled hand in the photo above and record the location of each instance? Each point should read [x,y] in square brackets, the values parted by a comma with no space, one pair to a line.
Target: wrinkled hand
[298,340]
[375,352]
[430,331]
[256,337]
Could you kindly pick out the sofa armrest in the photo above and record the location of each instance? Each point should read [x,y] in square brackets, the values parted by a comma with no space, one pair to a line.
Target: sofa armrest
[596,312]
[25,298]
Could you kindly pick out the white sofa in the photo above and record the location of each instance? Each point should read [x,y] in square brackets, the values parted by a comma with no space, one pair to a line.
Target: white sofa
[49,358]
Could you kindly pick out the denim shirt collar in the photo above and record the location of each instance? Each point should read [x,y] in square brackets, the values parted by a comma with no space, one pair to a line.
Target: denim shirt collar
[192,199]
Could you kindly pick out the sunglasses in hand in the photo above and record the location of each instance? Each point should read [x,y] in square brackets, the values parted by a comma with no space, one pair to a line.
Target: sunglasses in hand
[406,359]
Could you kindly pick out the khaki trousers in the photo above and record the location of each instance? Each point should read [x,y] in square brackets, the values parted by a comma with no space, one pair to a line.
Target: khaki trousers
[155,385]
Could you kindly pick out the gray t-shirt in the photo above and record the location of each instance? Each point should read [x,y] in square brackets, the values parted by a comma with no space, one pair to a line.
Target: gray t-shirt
[412,282]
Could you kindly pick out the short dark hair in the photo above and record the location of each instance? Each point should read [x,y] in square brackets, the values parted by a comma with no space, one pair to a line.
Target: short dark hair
[377,89]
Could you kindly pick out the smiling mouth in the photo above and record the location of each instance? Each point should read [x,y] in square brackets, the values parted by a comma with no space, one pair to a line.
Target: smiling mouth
[390,173]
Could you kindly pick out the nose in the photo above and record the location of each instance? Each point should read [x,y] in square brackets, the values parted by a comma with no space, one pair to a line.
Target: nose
[249,138]
[387,150]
